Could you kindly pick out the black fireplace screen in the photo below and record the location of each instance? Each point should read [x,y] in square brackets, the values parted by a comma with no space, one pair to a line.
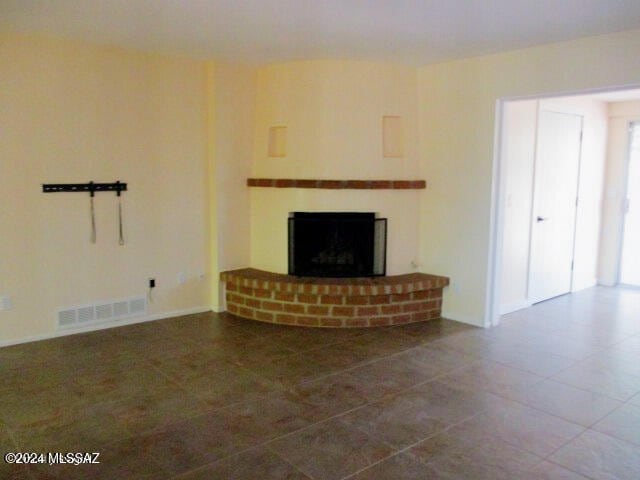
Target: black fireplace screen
[337,244]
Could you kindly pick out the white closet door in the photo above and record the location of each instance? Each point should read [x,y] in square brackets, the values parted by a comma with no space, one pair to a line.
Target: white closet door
[554,204]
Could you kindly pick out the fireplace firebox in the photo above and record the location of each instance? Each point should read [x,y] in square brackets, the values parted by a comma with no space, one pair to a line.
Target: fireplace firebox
[337,244]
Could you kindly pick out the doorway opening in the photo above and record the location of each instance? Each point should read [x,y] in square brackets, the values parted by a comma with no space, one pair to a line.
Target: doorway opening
[565,168]
[630,254]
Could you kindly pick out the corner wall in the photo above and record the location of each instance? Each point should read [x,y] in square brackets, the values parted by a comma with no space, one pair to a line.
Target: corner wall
[333,113]
[70,113]
[457,136]
[232,91]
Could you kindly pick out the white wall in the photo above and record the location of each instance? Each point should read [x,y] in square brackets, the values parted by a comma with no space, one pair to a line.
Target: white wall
[519,140]
[620,115]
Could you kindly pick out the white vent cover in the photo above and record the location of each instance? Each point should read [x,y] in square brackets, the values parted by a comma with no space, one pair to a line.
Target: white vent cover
[86,314]
[101,312]
[104,311]
[138,306]
[67,317]
[120,309]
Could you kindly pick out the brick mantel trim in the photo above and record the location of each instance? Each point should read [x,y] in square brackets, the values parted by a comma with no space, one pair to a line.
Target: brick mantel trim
[333,302]
[338,184]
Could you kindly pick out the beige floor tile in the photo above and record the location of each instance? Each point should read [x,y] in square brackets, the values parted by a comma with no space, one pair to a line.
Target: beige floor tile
[189,444]
[600,457]
[524,427]
[406,418]
[492,377]
[477,453]
[616,360]
[250,465]
[400,466]
[337,393]
[570,403]
[562,346]
[529,359]
[469,342]
[331,450]
[623,423]
[268,417]
[599,379]
[434,359]
[550,471]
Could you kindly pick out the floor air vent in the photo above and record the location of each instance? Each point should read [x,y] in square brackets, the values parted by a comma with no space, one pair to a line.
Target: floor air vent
[102,312]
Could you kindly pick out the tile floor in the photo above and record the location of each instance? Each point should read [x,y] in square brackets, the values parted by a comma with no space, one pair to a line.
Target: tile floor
[553,393]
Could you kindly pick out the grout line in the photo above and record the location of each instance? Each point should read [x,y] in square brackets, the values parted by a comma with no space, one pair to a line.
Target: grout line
[565,444]
[565,467]
[415,444]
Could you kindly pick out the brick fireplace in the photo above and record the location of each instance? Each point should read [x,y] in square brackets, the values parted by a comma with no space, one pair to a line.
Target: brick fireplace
[325,301]
[333,302]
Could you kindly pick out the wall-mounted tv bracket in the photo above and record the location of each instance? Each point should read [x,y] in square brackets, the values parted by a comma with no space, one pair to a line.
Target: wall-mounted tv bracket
[92,188]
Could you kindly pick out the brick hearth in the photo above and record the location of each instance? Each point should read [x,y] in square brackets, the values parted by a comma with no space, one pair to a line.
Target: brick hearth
[333,302]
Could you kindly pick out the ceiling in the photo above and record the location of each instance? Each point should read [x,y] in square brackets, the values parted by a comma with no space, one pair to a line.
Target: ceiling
[264,31]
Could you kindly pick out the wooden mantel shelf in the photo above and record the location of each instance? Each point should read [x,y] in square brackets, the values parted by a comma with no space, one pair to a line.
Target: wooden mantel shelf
[338,184]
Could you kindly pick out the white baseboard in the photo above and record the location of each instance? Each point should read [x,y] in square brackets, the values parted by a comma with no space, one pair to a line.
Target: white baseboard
[514,306]
[458,317]
[103,326]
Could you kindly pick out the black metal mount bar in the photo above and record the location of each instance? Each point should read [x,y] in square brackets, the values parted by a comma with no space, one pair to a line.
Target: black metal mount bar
[90,187]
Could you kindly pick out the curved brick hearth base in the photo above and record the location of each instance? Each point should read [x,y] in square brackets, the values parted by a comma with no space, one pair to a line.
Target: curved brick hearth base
[333,302]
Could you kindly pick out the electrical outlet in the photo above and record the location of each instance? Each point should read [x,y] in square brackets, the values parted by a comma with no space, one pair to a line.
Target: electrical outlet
[181,278]
[6,303]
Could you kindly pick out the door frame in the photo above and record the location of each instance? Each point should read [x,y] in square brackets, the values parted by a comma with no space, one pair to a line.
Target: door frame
[625,193]
[498,187]
[564,110]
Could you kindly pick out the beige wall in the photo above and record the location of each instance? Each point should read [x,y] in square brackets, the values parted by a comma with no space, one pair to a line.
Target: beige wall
[181,132]
[233,93]
[621,114]
[72,112]
[333,113]
[458,106]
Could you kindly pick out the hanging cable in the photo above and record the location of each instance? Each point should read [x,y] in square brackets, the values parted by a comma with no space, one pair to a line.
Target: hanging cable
[120,229]
[93,214]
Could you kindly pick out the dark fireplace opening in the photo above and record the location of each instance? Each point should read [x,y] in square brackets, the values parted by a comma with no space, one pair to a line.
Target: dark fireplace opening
[337,244]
